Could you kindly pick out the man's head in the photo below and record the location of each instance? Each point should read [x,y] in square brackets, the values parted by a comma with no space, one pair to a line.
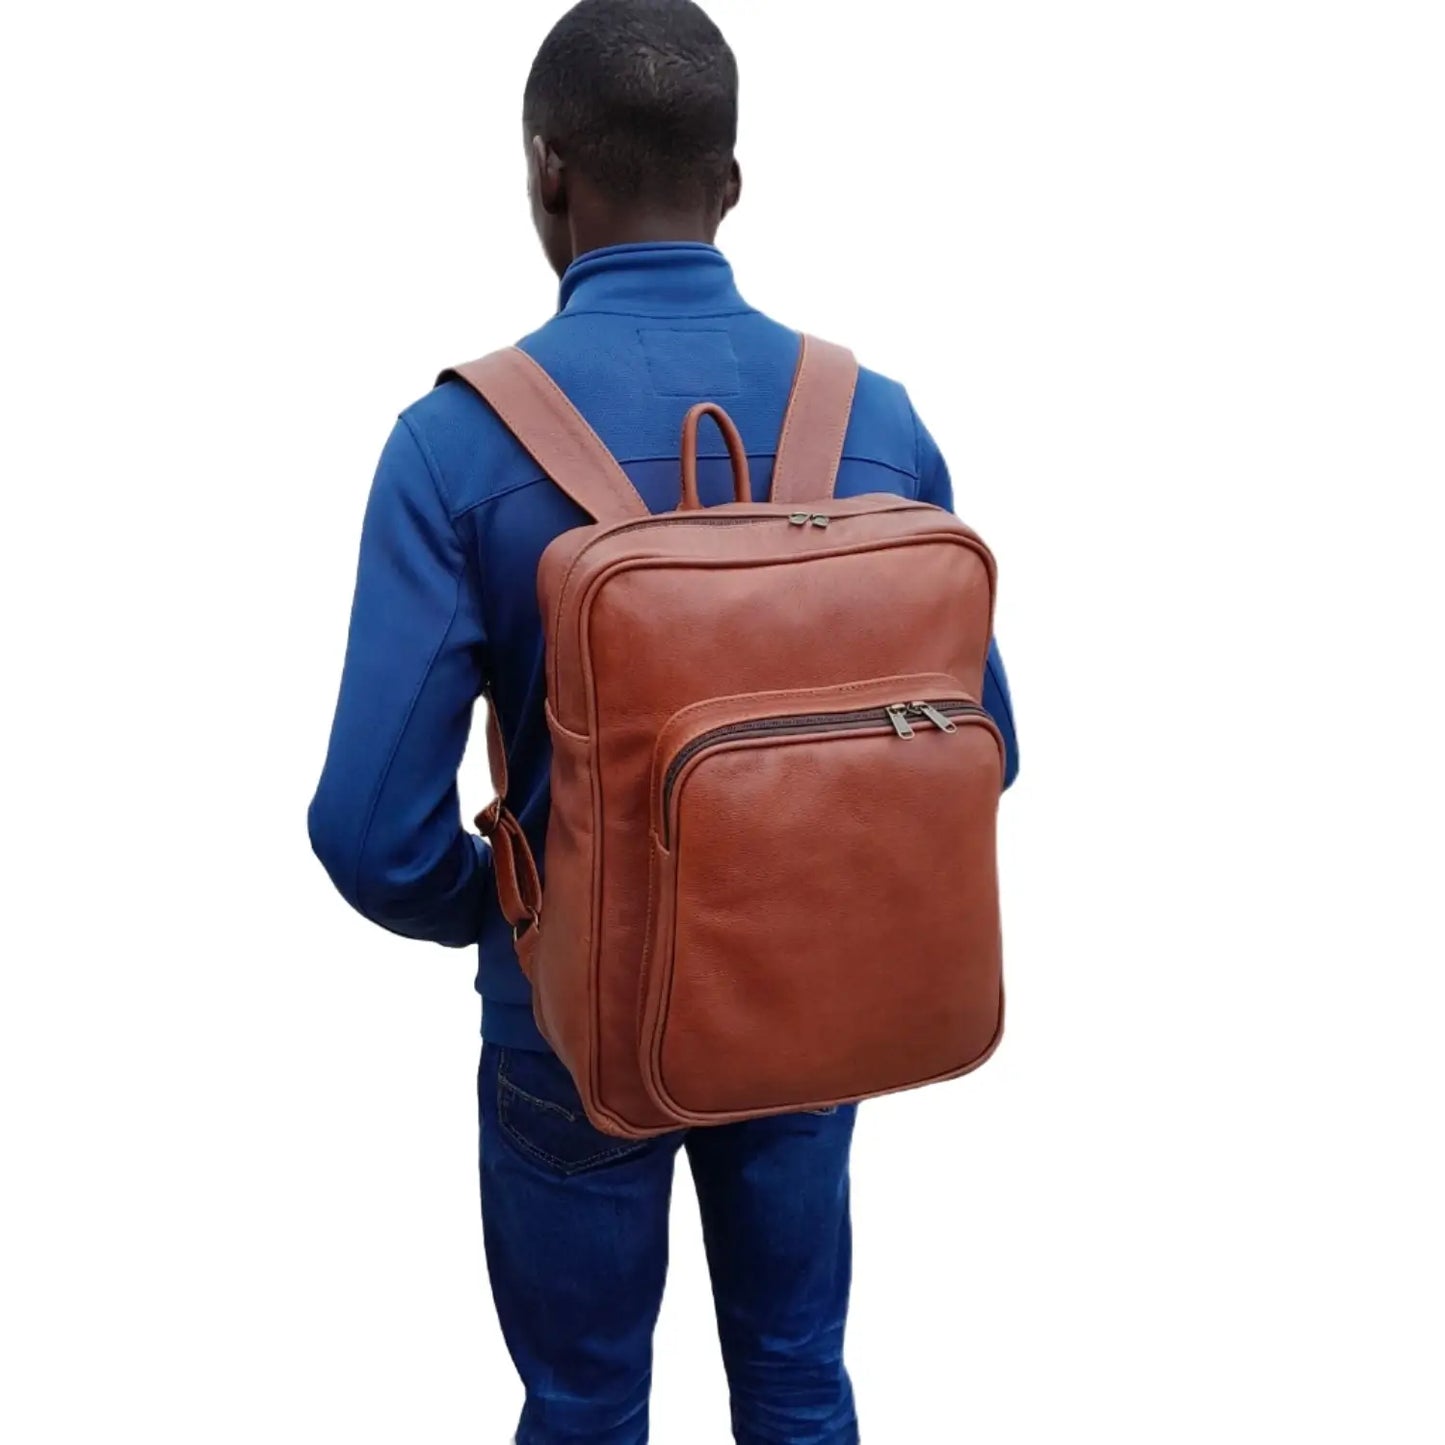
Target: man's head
[630,117]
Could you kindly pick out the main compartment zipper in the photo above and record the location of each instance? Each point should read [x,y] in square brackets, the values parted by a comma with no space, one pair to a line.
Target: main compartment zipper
[900,716]
[820,520]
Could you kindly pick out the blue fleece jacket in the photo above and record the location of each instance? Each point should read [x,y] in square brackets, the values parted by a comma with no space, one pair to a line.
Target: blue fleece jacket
[446,602]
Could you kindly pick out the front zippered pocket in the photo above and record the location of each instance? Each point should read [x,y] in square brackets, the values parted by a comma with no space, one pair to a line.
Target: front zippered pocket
[823,922]
[900,716]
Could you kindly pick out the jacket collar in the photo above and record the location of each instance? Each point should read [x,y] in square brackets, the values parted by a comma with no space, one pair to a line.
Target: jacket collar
[658,278]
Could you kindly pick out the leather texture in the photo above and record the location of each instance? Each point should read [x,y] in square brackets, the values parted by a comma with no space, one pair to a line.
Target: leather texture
[816,423]
[770,855]
[557,435]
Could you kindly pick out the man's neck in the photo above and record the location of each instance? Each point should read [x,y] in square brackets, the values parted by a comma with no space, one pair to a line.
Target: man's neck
[594,233]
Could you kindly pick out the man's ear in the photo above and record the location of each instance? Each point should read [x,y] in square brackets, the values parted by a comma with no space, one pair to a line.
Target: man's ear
[733,190]
[550,177]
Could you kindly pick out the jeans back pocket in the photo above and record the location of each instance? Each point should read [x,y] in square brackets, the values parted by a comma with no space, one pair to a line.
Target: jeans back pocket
[540,1113]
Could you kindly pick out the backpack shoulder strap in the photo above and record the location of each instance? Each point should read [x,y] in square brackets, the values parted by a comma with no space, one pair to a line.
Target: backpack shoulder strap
[556,435]
[811,444]
[533,408]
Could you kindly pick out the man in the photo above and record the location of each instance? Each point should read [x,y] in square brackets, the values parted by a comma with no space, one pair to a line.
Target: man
[630,120]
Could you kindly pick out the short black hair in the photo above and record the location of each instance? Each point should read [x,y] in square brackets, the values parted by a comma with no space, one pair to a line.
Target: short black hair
[641,96]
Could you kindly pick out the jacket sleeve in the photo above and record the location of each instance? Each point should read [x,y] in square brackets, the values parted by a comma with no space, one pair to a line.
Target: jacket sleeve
[385,821]
[934,485]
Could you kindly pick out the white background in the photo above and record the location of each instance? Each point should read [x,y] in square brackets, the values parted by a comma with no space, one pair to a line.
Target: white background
[1166,281]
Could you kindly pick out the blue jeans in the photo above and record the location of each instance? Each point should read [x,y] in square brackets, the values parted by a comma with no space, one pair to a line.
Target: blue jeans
[576,1228]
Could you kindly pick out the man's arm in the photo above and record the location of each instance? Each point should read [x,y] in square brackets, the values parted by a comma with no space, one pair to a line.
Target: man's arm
[386,819]
[935,486]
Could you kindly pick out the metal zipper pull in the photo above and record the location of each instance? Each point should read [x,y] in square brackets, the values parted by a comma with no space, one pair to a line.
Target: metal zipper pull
[820,519]
[799,519]
[898,716]
[938,719]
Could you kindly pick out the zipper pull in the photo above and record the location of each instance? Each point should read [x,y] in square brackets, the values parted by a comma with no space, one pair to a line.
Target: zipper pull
[898,716]
[799,519]
[938,719]
[820,519]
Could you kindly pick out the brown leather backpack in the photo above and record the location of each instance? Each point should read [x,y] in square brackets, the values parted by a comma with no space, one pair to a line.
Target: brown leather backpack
[771,882]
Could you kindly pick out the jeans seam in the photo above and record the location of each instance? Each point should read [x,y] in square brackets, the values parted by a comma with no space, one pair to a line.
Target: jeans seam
[505,1083]
[535,1151]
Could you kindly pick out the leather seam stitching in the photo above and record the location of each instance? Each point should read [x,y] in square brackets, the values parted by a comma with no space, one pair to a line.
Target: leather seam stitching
[788,420]
[846,417]
[562,727]
[645,972]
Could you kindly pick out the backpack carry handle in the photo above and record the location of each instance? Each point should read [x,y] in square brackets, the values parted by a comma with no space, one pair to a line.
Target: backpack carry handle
[742,481]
